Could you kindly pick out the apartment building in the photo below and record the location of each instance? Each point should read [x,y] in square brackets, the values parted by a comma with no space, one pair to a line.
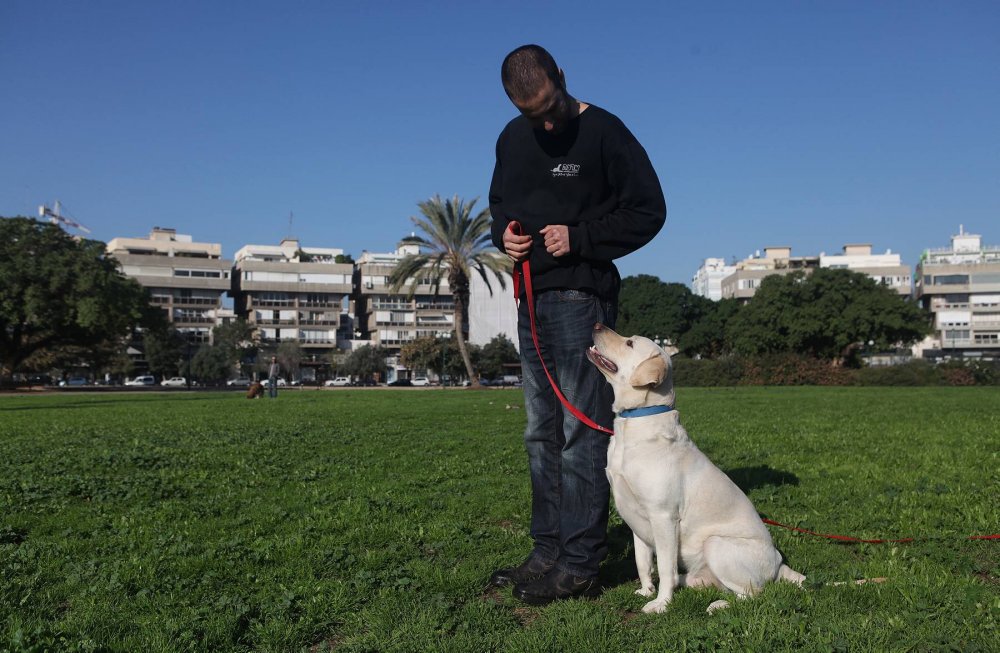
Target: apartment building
[744,281]
[392,319]
[885,268]
[960,285]
[707,281]
[185,278]
[290,292]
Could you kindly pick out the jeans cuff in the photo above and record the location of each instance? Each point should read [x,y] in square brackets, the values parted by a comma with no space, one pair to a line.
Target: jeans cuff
[575,571]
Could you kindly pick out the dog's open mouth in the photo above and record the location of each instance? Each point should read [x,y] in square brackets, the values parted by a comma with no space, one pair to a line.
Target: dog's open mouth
[600,360]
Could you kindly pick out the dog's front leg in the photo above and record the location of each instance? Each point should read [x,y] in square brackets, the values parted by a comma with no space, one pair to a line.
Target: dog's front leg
[644,564]
[666,533]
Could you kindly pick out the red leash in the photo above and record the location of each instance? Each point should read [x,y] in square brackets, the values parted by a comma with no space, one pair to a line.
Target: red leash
[845,538]
[523,270]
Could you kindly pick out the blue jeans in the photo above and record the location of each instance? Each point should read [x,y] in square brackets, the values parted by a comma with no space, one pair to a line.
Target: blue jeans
[569,486]
[272,388]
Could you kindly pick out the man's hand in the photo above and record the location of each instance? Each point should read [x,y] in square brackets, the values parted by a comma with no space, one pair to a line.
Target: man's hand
[556,239]
[517,247]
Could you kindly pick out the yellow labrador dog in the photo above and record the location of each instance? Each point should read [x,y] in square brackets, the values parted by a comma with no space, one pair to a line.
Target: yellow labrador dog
[679,505]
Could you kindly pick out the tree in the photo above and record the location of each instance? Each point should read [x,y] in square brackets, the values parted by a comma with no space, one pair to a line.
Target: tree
[499,351]
[290,356]
[367,361]
[164,350]
[439,355]
[211,364]
[458,244]
[650,307]
[707,336]
[235,338]
[827,314]
[59,295]
[422,354]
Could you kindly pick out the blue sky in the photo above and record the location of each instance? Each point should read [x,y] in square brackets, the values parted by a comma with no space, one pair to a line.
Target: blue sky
[807,124]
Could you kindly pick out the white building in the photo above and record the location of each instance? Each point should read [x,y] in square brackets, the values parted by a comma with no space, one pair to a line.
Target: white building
[493,314]
[707,281]
[887,269]
[960,285]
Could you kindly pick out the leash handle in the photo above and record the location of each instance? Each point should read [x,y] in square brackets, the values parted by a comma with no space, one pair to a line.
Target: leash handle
[522,271]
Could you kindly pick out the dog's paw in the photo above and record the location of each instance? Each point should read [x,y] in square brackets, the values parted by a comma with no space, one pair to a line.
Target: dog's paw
[646,591]
[655,607]
[717,605]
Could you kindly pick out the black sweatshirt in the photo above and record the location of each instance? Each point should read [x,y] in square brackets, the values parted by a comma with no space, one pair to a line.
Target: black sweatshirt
[593,177]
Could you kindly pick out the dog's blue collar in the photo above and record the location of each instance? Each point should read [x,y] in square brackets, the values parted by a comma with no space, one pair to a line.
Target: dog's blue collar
[645,411]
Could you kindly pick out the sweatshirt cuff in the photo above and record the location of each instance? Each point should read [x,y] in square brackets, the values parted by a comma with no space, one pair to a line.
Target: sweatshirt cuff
[579,240]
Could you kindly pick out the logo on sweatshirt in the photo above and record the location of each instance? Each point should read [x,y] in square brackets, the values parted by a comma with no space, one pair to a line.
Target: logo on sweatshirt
[566,170]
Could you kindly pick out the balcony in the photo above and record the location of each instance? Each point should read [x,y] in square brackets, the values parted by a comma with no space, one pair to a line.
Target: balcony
[318,341]
[193,319]
[319,304]
[311,322]
[195,301]
[269,321]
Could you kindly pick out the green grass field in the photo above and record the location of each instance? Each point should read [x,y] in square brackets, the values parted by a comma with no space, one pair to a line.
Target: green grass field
[369,520]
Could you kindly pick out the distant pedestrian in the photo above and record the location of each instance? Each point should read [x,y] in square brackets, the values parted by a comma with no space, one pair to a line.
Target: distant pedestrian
[272,378]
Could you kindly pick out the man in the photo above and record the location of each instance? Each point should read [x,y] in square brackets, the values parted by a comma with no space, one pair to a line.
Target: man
[272,378]
[584,193]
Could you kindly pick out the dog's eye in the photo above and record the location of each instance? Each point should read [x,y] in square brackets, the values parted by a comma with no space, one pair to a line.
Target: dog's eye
[628,343]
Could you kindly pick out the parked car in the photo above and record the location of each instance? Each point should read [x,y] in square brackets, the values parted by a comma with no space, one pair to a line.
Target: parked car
[281,382]
[401,383]
[174,382]
[241,382]
[142,380]
[74,381]
[420,381]
[338,382]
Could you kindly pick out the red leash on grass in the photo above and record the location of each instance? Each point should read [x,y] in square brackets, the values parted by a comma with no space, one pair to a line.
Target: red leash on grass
[845,538]
[522,270]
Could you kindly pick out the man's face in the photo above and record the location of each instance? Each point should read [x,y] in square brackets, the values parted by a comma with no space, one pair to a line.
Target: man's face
[549,109]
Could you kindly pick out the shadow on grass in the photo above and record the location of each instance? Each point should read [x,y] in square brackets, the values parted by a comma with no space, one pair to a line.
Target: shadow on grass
[751,478]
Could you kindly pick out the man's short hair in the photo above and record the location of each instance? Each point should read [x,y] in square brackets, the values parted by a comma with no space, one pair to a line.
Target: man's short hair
[525,70]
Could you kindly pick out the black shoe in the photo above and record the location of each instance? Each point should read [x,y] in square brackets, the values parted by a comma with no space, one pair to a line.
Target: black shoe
[529,570]
[556,585]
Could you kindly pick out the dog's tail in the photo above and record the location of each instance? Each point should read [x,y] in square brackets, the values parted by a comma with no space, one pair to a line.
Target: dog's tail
[788,574]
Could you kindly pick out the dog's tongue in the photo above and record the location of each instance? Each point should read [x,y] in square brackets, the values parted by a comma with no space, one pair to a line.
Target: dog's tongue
[600,360]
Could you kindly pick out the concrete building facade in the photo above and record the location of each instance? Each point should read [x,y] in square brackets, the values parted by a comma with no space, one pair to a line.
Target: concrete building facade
[186,279]
[885,268]
[290,292]
[392,319]
[960,285]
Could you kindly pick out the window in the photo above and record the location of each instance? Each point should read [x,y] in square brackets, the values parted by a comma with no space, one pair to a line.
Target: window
[951,279]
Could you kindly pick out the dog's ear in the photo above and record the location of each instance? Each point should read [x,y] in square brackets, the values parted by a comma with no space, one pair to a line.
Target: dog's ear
[650,372]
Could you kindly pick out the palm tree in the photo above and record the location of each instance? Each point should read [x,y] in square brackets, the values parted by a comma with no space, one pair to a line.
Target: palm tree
[458,243]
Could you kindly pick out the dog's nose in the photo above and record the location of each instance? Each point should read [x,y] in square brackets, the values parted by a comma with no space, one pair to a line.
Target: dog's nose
[598,327]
